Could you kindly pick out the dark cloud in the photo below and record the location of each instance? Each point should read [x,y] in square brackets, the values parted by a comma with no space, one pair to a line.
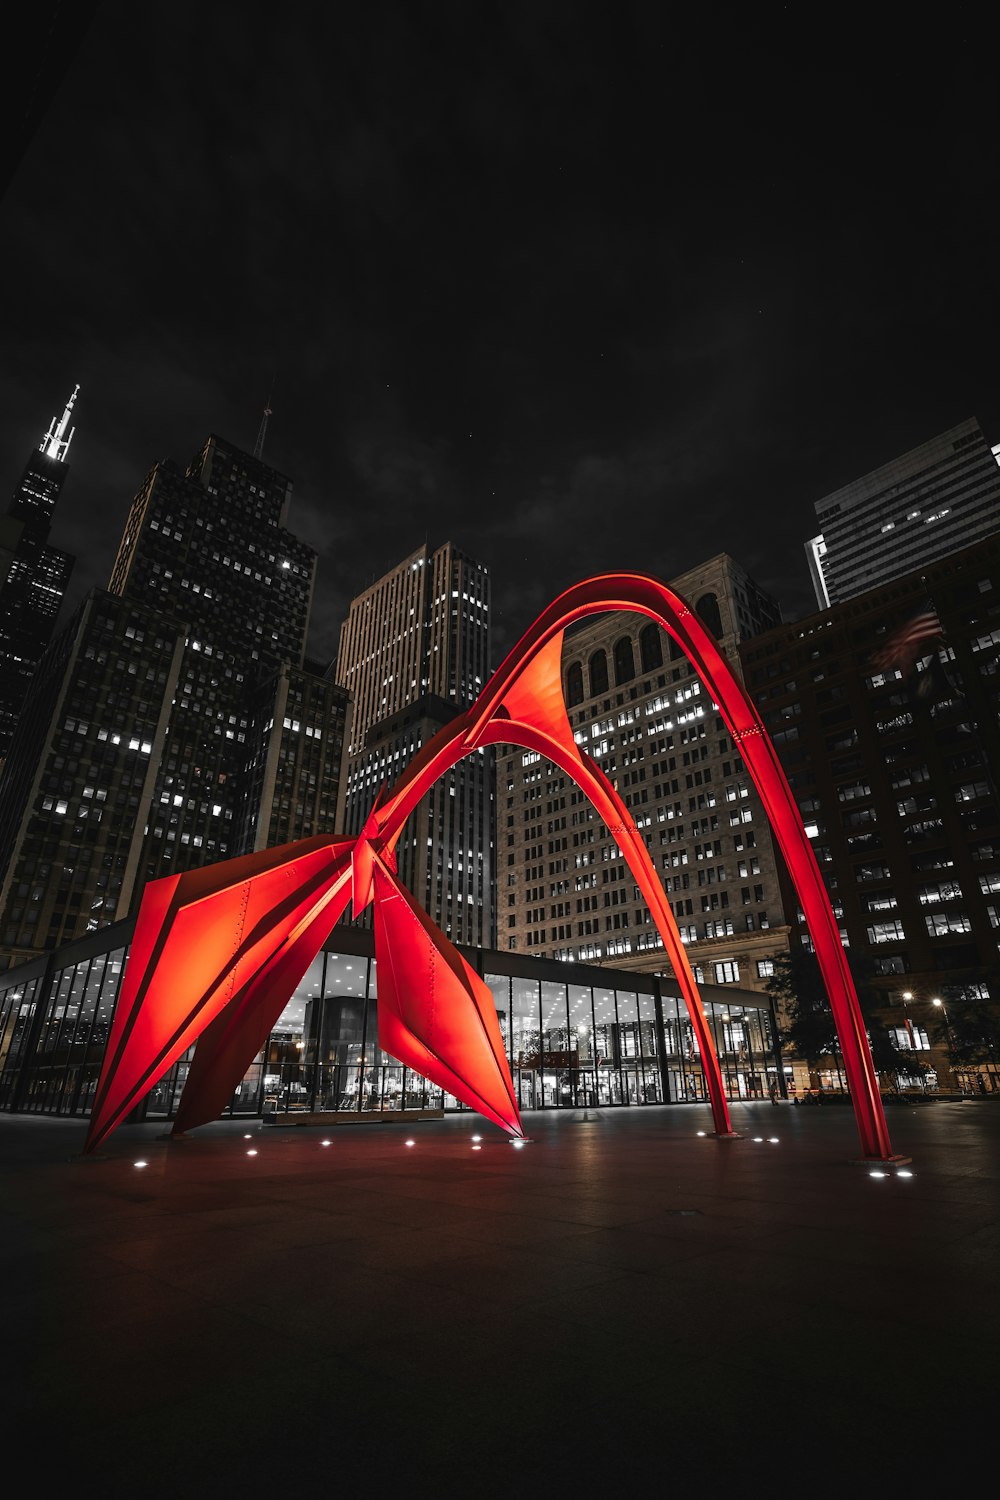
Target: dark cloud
[576,286]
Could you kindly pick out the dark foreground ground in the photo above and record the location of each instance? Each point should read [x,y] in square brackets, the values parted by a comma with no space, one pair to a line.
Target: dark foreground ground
[622,1306]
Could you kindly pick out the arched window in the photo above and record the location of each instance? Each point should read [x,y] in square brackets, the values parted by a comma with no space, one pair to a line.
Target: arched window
[650,648]
[624,661]
[708,612]
[574,684]
[598,673]
[676,651]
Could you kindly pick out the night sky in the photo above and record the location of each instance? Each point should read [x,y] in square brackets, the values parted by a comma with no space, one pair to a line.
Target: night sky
[575,286]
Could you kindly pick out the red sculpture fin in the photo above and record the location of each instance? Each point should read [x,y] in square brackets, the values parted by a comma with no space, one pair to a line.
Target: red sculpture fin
[434,1012]
[197,937]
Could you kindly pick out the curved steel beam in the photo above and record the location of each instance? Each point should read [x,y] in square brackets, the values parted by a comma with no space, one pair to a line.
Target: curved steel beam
[634,591]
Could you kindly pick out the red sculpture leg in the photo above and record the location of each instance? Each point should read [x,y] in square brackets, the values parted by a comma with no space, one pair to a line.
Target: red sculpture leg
[229,1045]
[536,718]
[622,591]
[434,1013]
[528,709]
[199,938]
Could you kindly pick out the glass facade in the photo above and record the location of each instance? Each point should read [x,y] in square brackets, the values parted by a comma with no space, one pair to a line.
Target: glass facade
[54,1027]
[575,1037]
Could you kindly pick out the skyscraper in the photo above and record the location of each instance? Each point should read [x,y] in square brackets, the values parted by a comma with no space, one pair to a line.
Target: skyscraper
[931,502]
[414,652]
[638,708]
[33,575]
[884,711]
[175,721]
[422,628]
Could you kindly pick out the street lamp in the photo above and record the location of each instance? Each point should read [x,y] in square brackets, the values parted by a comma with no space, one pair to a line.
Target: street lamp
[907,1068]
[947,1031]
[907,997]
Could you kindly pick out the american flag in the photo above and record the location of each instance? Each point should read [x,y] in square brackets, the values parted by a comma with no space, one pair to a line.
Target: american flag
[906,644]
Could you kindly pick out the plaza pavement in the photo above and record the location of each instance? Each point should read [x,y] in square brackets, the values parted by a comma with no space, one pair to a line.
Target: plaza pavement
[622,1306]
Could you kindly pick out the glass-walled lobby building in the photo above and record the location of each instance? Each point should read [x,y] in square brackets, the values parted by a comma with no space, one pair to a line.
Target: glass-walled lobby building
[576,1036]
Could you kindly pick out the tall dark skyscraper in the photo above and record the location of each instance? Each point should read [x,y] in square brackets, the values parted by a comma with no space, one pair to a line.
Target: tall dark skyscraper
[34,575]
[175,720]
[414,651]
[891,746]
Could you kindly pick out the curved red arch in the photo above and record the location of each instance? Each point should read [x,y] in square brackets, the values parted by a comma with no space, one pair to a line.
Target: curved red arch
[457,1043]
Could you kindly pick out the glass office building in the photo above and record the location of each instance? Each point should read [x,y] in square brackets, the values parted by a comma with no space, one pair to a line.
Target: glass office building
[576,1036]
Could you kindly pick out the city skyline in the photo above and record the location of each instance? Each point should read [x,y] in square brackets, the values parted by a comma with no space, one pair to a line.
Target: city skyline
[502,277]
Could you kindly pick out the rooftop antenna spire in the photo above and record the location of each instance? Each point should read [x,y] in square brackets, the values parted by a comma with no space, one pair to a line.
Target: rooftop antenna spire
[258,447]
[54,444]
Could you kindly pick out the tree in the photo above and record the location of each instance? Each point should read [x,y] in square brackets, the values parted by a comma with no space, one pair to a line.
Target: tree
[805,1019]
[971,1031]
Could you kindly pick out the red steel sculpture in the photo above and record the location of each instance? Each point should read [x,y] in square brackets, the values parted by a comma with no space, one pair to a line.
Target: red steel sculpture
[217,952]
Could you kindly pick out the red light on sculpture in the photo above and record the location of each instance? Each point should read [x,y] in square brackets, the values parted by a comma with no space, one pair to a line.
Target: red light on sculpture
[447,1029]
[218,952]
[202,941]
